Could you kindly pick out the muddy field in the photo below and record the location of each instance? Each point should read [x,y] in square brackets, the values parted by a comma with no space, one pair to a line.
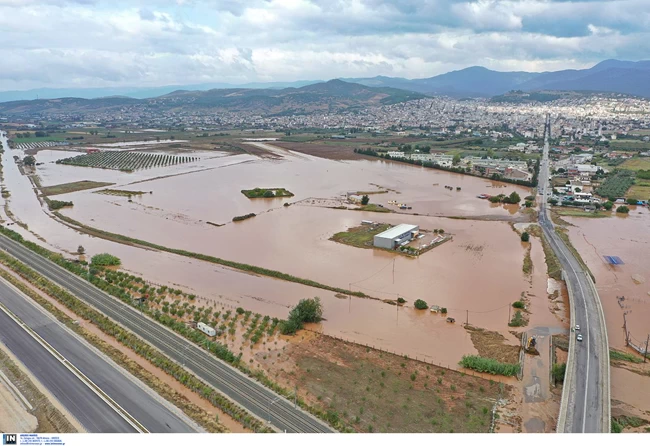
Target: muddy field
[370,391]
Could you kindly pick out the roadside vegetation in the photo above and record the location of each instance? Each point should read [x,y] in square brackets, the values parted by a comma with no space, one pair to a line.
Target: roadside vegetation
[76,186]
[123,336]
[271,192]
[617,355]
[210,423]
[487,365]
[125,161]
[491,346]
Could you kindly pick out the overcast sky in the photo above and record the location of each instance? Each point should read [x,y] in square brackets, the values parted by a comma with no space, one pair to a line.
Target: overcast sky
[96,43]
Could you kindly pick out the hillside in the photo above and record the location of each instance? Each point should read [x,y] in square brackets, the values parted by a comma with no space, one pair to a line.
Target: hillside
[609,76]
[331,96]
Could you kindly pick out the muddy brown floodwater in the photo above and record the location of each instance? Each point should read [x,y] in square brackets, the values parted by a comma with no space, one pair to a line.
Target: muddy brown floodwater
[629,238]
[476,276]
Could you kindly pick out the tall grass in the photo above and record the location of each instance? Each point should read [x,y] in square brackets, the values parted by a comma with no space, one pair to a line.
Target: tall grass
[487,365]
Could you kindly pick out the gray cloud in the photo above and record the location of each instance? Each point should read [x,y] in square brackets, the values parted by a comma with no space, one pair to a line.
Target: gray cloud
[154,42]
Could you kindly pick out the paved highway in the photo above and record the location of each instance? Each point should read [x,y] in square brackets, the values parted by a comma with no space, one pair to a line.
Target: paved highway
[151,411]
[245,391]
[588,407]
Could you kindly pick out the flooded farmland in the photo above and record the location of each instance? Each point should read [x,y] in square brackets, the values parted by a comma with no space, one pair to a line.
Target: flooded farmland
[476,276]
[626,237]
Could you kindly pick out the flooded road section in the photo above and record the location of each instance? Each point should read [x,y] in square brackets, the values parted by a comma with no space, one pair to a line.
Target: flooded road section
[476,276]
[629,238]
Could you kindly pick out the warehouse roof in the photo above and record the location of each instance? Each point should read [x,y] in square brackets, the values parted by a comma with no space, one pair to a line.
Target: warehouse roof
[396,231]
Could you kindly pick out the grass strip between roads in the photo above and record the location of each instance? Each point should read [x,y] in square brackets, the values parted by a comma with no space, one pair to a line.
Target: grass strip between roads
[236,265]
[134,343]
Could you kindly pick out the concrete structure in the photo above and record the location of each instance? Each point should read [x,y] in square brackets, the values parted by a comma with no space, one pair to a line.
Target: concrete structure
[393,237]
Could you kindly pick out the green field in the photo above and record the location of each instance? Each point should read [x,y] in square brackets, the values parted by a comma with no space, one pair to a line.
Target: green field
[270,192]
[631,144]
[636,163]
[360,236]
[125,161]
[53,137]
[66,188]
[640,191]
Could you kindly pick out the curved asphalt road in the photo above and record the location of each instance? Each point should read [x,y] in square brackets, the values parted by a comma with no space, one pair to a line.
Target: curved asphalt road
[245,391]
[89,409]
[587,410]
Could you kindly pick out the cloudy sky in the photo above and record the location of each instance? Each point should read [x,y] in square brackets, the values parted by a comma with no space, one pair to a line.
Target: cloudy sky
[97,43]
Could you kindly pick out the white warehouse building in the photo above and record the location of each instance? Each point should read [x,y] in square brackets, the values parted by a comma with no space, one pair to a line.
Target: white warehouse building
[393,237]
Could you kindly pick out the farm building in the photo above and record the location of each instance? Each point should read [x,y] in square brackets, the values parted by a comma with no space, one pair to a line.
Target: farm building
[393,237]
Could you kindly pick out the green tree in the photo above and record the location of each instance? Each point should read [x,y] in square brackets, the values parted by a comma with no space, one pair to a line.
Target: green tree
[622,210]
[553,201]
[365,200]
[456,159]
[81,250]
[420,304]
[608,205]
[269,194]
[514,198]
[525,236]
[29,160]
[307,310]
[105,259]
[632,201]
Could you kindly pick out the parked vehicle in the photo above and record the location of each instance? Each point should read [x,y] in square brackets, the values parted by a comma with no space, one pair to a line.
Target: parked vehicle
[206,329]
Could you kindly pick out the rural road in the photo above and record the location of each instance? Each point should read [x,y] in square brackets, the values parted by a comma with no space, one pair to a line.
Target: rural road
[95,415]
[245,391]
[588,382]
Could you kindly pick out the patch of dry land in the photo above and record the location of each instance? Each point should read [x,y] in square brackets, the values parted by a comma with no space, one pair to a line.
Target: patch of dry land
[76,186]
[371,391]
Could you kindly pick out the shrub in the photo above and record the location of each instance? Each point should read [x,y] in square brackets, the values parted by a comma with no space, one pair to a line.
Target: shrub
[632,201]
[487,365]
[525,236]
[558,372]
[608,205]
[105,259]
[243,217]
[528,203]
[420,304]
[517,320]
[622,210]
[58,204]
[307,310]
[401,300]
[519,304]
[269,194]
[443,310]
[365,200]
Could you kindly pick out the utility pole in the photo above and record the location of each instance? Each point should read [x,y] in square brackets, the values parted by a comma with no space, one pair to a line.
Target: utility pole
[645,354]
[393,271]
[467,320]
[509,314]
[295,397]
[349,297]
[627,335]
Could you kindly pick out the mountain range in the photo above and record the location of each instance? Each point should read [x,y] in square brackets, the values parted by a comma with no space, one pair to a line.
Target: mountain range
[328,96]
[610,76]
